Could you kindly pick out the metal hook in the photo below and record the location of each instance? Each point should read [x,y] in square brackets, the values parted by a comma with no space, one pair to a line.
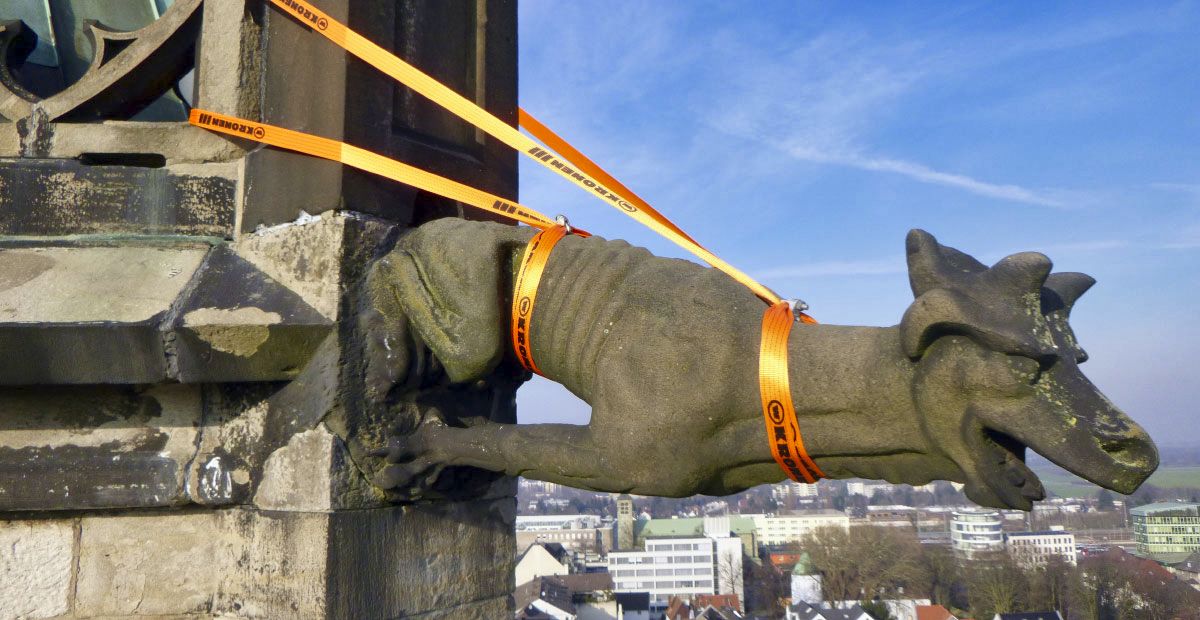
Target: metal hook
[561,220]
[797,305]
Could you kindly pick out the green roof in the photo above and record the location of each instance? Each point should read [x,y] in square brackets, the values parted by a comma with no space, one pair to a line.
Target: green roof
[1159,508]
[693,526]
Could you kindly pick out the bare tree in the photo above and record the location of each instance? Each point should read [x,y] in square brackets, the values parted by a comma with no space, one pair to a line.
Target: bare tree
[729,572]
[865,562]
[996,583]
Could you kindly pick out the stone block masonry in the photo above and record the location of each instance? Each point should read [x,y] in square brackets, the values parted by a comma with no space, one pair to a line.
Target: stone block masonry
[422,561]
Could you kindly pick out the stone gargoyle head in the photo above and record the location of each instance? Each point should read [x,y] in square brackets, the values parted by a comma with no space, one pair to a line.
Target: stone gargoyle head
[982,366]
[997,370]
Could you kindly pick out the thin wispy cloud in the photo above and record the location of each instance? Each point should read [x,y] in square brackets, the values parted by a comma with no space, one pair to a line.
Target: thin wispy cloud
[924,174]
[845,83]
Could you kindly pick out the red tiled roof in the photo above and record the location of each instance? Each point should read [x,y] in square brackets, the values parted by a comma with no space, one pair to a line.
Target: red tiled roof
[934,612]
[718,601]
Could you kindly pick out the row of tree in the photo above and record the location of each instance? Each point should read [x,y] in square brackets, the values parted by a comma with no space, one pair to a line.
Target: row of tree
[877,563]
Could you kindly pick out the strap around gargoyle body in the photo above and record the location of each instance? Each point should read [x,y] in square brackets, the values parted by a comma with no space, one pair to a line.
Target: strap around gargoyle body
[533,264]
[783,431]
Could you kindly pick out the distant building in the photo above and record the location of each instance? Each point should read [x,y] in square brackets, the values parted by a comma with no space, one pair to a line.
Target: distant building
[893,515]
[934,612]
[1188,569]
[1036,548]
[542,560]
[1166,528]
[633,605]
[776,530]
[624,540]
[544,598]
[806,582]
[868,488]
[586,540]
[791,488]
[975,531]
[705,562]
[804,611]
[741,526]
[536,523]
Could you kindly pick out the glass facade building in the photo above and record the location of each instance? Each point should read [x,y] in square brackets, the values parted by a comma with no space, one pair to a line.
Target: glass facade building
[1166,527]
[976,530]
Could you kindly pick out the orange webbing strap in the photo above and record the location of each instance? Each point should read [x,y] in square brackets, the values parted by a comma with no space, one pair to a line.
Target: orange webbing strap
[366,160]
[467,110]
[537,253]
[783,431]
[581,161]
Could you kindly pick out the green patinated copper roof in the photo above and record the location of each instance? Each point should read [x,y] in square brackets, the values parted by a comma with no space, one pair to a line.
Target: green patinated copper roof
[693,526]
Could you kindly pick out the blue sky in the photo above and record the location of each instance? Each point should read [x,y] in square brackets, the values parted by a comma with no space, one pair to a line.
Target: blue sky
[800,141]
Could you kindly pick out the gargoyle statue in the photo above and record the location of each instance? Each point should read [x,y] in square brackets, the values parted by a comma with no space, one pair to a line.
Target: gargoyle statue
[982,365]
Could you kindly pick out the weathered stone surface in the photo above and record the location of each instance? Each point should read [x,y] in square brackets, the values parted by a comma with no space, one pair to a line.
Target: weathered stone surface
[58,326]
[36,559]
[58,284]
[177,143]
[422,558]
[116,194]
[148,565]
[228,63]
[10,140]
[299,476]
[303,256]
[96,447]
[238,324]
[435,561]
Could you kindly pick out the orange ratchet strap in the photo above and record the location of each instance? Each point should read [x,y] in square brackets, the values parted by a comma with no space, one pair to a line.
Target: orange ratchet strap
[783,431]
[366,160]
[537,253]
[467,110]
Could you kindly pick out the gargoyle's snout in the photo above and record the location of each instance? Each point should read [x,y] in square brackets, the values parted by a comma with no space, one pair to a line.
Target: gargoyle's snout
[1092,437]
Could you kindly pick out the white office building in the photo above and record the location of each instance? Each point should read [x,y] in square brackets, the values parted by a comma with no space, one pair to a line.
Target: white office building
[975,531]
[772,530]
[683,567]
[533,523]
[791,488]
[1036,548]
[868,488]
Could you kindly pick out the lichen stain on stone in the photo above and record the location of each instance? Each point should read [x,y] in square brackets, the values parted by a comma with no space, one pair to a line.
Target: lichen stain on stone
[238,331]
[20,267]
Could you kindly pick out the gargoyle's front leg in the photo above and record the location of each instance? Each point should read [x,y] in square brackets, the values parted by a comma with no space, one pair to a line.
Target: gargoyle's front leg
[561,453]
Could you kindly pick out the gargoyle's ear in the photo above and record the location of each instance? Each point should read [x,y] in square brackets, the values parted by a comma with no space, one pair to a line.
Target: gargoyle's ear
[448,283]
[958,295]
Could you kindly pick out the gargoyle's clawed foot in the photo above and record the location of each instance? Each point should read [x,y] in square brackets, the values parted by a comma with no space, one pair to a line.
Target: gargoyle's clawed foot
[414,465]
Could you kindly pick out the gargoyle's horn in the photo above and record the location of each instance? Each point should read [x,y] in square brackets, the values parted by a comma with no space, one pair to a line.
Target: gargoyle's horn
[1069,287]
[956,294]
[932,265]
[1020,274]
